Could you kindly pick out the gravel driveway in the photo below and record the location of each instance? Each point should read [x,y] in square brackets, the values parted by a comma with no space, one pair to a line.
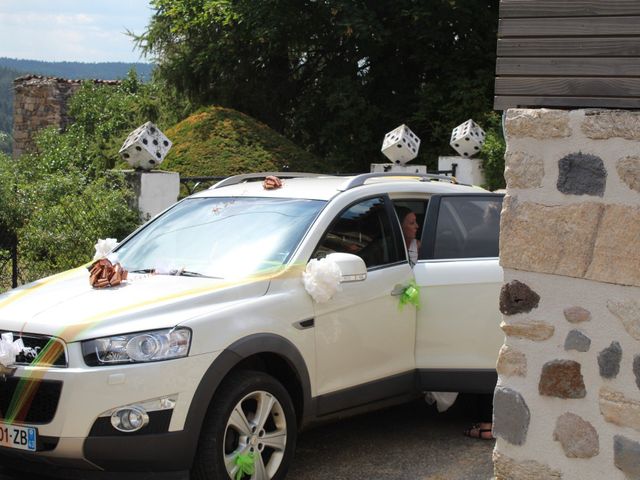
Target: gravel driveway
[410,442]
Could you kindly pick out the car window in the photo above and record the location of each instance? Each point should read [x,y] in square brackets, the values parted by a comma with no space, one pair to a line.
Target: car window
[468,227]
[363,229]
[225,237]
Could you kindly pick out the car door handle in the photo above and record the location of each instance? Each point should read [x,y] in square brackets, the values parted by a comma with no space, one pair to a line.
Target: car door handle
[304,324]
[398,290]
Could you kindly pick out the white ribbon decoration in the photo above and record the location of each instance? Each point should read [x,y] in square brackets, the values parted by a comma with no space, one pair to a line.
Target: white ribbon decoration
[321,279]
[443,400]
[103,247]
[9,349]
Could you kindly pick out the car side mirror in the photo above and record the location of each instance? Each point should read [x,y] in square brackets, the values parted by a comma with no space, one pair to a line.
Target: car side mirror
[352,267]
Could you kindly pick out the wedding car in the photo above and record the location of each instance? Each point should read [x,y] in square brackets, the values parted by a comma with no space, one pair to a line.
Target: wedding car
[202,343]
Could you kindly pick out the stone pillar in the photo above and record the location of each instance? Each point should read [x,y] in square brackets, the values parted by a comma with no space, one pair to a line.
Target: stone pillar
[567,404]
[154,191]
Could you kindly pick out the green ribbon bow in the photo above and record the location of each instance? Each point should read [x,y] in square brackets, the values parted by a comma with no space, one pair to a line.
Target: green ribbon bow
[246,465]
[411,294]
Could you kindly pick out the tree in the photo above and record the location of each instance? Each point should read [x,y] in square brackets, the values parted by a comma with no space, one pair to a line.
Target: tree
[333,75]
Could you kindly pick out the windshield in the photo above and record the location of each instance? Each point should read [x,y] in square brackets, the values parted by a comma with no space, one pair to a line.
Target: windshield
[220,237]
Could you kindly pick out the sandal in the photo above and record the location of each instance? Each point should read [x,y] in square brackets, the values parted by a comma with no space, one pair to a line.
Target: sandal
[476,431]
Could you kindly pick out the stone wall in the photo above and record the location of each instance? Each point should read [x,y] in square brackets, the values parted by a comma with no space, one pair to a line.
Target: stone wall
[41,102]
[567,404]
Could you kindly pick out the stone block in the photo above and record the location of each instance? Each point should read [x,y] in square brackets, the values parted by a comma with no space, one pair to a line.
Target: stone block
[531,330]
[576,340]
[577,436]
[517,297]
[506,468]
[609,360]
[581,174]
[577,314]
[563,236]
[604,124]
[628,312]
[636,369]
[511,416]
[616,252]
[523,170]
[562,379]
[629,172]
[511,362]
[588,240]
[541,124]
[618,409]
[626,456]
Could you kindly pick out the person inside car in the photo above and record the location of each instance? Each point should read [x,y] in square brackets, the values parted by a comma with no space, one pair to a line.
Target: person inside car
[410,229]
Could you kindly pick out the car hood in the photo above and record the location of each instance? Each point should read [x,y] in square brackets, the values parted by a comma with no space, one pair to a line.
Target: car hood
[66,306]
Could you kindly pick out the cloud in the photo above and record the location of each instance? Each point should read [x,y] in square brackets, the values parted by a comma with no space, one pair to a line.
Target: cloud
[71,30]
[45,19]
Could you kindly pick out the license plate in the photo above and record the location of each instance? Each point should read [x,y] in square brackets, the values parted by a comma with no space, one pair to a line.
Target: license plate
[14,436]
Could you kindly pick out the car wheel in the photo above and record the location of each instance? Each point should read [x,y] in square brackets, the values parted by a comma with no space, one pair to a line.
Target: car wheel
[251,414]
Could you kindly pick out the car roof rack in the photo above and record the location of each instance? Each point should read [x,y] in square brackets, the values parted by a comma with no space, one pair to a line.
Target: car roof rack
[246,177]
[424,177]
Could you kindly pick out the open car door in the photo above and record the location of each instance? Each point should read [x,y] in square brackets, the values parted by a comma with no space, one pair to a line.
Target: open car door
[458,332]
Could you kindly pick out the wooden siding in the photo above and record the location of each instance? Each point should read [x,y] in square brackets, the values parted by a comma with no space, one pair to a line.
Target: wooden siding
[568,53]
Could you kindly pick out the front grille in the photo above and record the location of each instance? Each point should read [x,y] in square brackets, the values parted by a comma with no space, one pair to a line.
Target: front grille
[41,350]
[36,401]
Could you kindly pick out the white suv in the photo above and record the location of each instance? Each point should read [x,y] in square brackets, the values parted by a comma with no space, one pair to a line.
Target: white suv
[212,355]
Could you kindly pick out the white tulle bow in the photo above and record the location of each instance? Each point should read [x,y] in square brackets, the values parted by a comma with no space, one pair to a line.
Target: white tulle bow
[9,349]
[321,279]
[103,247]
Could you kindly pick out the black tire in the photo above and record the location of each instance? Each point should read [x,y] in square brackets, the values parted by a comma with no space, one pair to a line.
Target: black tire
[219,437]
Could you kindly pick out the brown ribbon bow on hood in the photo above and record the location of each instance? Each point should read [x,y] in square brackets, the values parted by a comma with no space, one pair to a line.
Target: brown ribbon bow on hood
[103,273]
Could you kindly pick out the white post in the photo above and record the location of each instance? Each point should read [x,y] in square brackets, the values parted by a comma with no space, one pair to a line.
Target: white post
[154,191]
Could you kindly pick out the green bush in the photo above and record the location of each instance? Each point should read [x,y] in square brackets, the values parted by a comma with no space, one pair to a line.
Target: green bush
[58,214]
[220,141]
[492,153]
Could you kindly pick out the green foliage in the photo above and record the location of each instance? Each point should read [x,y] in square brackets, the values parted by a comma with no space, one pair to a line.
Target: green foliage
[492,152]
[219,141]
[10,215]
[103,116]
[6,142]
[333,76]
[58,211]
[7,76]
[63,233]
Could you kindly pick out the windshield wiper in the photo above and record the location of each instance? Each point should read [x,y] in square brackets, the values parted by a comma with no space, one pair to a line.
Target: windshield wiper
[188,273]
[176,272]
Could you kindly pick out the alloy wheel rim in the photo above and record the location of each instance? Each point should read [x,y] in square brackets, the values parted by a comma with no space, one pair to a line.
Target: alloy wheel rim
[256,425]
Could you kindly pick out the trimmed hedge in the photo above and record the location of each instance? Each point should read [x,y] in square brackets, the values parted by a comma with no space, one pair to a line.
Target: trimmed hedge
[220,141]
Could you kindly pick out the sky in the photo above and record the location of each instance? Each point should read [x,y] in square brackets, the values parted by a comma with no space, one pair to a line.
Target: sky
[72,30]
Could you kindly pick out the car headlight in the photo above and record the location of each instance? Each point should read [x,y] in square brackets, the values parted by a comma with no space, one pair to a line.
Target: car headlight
[151,346]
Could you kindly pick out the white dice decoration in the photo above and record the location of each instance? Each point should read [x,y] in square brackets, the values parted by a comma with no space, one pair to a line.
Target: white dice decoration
[400,145]
[145,147]
[467,138]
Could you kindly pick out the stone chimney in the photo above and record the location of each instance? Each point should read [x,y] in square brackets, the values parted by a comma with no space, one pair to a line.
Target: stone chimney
[41,102]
